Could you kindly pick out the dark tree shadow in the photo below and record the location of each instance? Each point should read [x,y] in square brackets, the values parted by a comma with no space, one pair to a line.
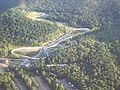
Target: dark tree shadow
[7,4]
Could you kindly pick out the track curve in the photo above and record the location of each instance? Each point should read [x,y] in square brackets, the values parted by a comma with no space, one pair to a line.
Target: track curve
[44,48]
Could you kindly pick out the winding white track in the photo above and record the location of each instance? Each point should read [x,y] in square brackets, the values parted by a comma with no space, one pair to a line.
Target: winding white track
[44,49]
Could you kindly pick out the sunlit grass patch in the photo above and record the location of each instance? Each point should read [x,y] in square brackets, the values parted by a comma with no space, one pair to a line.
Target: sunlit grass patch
[28,53]
[32,14]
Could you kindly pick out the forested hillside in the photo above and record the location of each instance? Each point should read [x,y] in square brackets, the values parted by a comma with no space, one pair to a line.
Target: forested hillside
[103,14]
[94,63]
[91,64]
[87,13]
[97,53]
[9,79]
[18,30]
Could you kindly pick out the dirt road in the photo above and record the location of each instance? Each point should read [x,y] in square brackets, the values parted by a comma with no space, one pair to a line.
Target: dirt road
[64,82]
[42,84]
[19,84]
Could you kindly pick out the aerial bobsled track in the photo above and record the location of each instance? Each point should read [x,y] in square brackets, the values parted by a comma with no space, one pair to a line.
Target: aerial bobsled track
[44,48]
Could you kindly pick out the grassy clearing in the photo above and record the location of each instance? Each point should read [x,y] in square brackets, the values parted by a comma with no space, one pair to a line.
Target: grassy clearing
[16,61]
[32,53]
[32,14]
[28,53]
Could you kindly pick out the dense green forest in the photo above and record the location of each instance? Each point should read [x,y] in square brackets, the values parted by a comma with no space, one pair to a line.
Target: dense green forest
[97,53]
[18,30]
[92,64]
[95,64]
[87,13]
[8,79]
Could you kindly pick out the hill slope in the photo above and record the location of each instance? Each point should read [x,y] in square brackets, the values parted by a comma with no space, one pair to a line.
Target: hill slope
[87,13]
[94,63]
[18,30]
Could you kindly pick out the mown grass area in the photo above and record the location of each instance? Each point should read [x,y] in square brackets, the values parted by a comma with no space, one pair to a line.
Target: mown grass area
[16,61]
[28,53]
[32,14]
[32,53]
